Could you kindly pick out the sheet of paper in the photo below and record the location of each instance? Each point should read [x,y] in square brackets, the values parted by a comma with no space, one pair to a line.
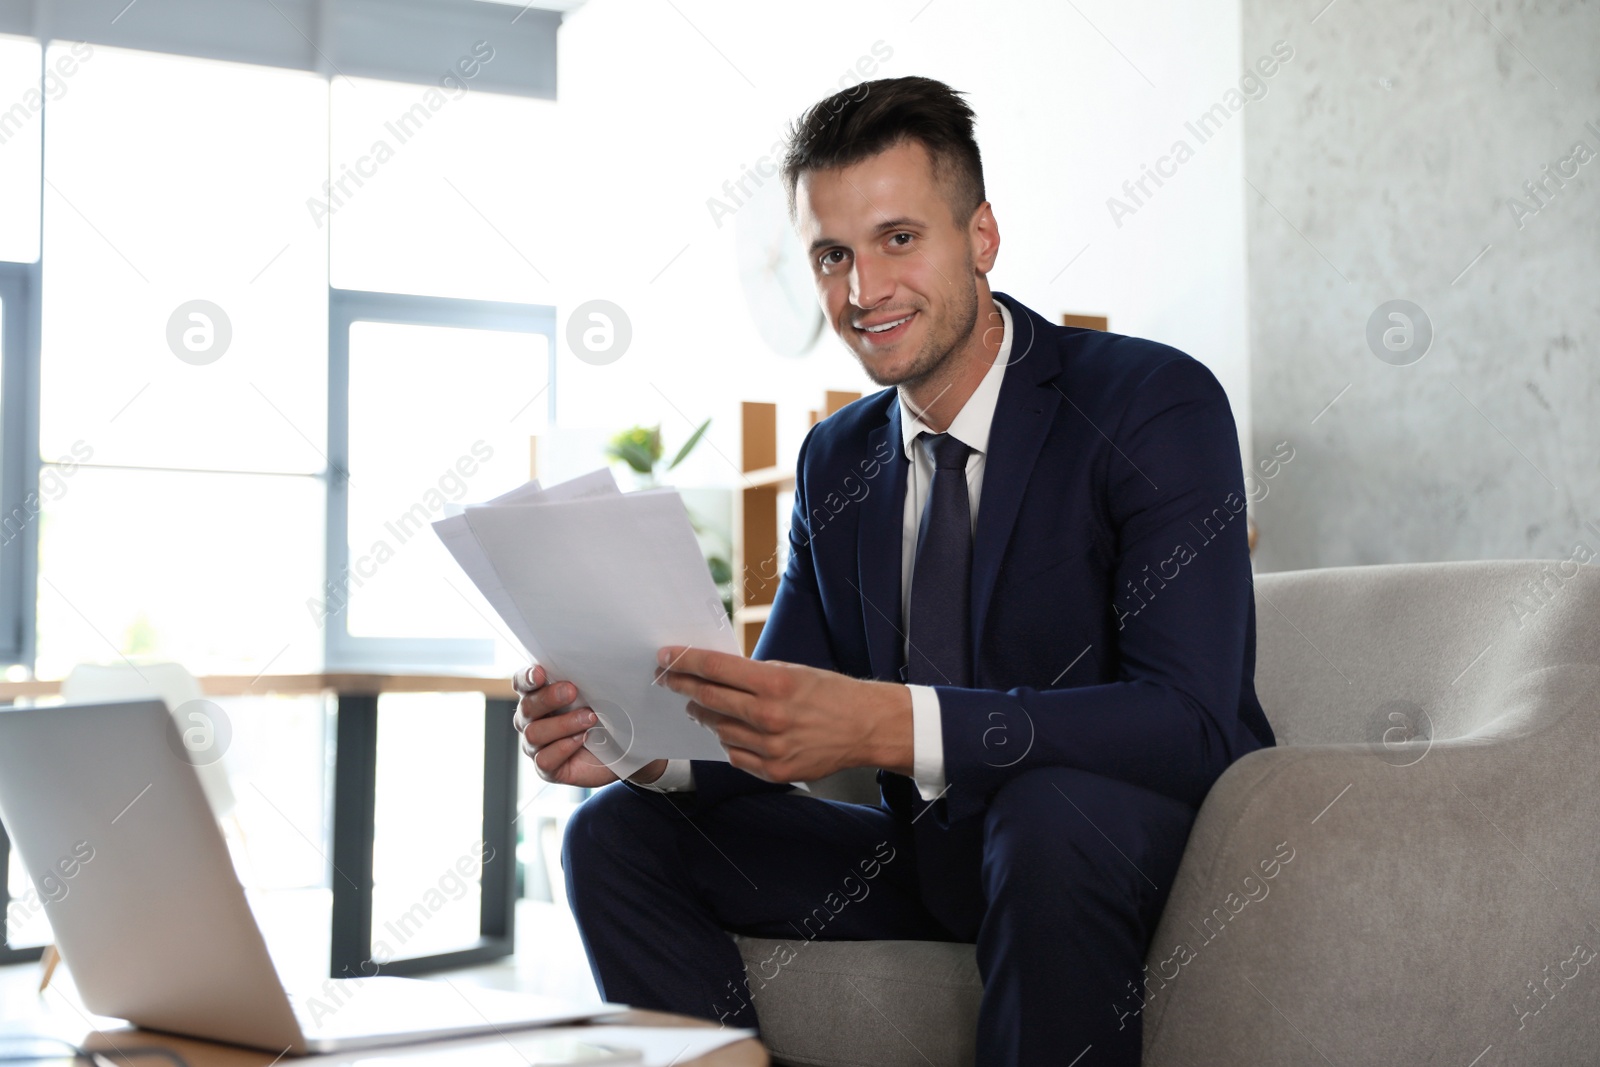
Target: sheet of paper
[602,582]
[463,545]
[591,582]
[525,493]
[595,483]
[662,1046]
[659,1046]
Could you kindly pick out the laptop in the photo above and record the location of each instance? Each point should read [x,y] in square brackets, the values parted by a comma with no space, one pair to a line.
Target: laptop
[113,826]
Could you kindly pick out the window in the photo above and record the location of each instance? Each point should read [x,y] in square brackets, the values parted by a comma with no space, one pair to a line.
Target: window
[440,412]
[457,193]
[211,570]
[427,843]
[478,394]
[203,443]
[170,182]
[191,410]
[187,412]
[441,335]
[22,100]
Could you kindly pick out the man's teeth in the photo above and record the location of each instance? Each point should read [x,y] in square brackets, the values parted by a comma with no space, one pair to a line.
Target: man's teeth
[885,326]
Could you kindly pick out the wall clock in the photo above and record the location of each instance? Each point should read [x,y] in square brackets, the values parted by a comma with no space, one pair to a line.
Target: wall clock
[778,287]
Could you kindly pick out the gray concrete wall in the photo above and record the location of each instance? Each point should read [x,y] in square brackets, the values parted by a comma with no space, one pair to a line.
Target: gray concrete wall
[1388,162]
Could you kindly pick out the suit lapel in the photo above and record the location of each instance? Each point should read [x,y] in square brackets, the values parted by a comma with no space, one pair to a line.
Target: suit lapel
[878,548]
[1023,415]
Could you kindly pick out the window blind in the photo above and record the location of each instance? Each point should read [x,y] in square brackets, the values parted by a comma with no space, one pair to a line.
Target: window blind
[419,41]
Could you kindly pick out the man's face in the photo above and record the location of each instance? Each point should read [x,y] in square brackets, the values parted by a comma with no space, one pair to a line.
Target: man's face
[897,274]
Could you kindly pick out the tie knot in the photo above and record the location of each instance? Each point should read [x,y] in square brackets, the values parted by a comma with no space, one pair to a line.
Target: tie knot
[948,453]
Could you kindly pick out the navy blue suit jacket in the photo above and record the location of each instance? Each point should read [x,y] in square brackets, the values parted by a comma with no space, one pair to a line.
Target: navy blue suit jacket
[1113,616]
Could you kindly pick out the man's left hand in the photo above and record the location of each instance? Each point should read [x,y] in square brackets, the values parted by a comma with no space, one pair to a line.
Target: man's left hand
[787,723]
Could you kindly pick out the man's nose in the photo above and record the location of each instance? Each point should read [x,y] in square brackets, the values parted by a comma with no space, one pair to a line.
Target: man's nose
[871,282]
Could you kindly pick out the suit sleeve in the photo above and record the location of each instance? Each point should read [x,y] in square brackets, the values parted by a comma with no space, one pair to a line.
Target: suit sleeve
[796,632]
[1181,589]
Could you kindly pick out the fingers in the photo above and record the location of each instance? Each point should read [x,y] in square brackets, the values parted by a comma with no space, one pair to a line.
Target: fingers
[529,679]
[548,736]
[713,696]
[549,759]
[543,701]
[731,732]
[724,668]
[553,728]
[553,739]
[751,763]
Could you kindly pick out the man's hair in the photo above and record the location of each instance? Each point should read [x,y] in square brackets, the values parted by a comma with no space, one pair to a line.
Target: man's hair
[874,116]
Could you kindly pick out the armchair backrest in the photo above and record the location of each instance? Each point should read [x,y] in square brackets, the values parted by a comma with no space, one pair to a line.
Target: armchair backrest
[1367,654]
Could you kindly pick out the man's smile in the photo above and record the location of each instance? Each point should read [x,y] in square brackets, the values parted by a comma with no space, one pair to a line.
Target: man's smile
[884,331]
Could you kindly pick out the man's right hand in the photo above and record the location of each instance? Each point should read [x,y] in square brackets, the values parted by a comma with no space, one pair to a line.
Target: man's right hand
[554,738]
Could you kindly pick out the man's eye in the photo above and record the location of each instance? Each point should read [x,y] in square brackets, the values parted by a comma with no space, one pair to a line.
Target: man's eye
[902,243]
[831,258]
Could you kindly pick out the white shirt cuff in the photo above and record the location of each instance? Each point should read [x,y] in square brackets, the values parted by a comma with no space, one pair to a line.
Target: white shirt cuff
[927,742]
[677,778]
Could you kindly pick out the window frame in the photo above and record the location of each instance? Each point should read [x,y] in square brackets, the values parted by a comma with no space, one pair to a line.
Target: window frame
[19,455]
[341,649]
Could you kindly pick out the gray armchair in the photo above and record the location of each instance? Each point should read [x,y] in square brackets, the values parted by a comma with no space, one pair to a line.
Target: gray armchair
[1412,876]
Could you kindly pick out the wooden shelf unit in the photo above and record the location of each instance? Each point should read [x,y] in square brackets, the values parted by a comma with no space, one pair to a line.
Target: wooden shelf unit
[757,525]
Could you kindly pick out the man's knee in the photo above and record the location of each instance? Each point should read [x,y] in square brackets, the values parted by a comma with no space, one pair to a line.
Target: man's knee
[1067,826]
[607,826]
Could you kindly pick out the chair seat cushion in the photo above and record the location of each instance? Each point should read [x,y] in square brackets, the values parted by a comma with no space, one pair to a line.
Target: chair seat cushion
[864,1003]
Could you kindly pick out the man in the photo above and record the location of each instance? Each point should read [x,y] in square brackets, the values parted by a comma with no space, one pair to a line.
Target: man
[1018,586]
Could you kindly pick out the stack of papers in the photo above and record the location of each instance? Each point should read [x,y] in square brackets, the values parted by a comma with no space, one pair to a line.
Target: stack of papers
[593,582]
[652,1046]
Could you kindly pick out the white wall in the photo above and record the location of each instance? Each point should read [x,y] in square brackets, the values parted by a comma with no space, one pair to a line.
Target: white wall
[661,103]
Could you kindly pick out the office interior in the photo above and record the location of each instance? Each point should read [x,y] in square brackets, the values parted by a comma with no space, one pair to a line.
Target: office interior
[281,283]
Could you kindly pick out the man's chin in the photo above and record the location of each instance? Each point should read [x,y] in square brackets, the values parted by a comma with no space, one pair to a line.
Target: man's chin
[887,369]
[885,365]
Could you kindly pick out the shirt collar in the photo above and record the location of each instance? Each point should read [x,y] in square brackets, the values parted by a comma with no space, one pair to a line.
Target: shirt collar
[972,422]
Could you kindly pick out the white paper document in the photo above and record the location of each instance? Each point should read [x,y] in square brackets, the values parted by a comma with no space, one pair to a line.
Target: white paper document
[593,582]
[655,1046]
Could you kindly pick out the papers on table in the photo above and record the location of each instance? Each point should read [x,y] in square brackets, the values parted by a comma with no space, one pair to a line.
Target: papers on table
[593,582]
[655,1046]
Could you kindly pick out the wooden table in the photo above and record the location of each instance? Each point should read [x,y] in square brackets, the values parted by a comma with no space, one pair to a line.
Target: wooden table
[59,1013]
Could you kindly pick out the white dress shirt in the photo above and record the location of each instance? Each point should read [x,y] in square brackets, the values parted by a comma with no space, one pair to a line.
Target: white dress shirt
[971,427]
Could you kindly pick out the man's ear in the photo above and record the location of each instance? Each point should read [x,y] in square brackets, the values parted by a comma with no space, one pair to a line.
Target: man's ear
[984,234]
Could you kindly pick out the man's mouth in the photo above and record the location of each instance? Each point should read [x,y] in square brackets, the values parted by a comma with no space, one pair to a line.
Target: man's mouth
[886,331]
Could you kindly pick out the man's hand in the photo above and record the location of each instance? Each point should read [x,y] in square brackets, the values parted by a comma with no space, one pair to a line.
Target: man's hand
[554,737]
[788,723]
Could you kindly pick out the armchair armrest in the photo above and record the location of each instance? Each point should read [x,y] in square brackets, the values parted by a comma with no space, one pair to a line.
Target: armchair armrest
[1371,903]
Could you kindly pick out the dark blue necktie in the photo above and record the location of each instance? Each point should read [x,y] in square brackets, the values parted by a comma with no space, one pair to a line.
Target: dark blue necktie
[941,578]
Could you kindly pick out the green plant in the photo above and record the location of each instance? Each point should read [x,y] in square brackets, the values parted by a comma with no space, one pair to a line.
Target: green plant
[640,448]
